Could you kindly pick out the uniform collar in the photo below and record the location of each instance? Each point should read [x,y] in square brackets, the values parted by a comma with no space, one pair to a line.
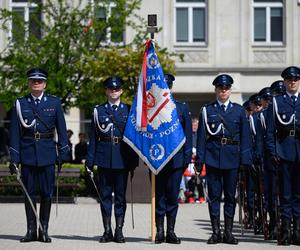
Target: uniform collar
[225,103]
[289,94]
[39,97]
[117,103]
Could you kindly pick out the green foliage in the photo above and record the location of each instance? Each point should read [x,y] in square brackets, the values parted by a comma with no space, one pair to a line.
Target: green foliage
[9,185]
[73,52]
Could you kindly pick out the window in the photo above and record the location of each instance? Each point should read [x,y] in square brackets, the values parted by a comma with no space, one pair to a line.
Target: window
[268,21]
[25,21]
[190,21]
[113,33]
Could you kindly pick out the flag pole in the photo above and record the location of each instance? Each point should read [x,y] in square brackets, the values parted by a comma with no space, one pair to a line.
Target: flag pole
[153,232]
[152,28]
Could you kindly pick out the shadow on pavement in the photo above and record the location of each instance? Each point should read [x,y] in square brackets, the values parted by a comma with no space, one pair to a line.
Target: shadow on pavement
[75,237]
[94,238]
[10,237]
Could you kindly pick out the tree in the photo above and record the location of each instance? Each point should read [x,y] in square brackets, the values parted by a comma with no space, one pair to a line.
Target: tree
[74,50]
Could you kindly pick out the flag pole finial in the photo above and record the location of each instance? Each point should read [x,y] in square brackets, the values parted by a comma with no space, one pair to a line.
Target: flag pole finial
[152,25]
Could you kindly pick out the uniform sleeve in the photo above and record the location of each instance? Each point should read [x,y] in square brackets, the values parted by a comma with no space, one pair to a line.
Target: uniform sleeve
[259,142]
[61,128]
[245,140]
[92,145]
[14,137]
[188,135]
[270,131]
[201,140]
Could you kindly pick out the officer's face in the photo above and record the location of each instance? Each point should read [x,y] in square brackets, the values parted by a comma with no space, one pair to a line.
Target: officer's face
[223,93]
[195,123]
[292,85]
[36,86]
[113,93]
[255,107]
[264,103]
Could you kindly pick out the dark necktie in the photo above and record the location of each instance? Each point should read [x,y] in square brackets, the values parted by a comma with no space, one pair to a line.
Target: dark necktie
[37,102]
[223,107]
[114,107]
[294,99]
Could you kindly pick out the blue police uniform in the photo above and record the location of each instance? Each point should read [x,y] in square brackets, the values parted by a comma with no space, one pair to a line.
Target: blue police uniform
[269,176]
[283,144]
[113,158]
[223,145]
[168,180]
[251,176]
[32,145]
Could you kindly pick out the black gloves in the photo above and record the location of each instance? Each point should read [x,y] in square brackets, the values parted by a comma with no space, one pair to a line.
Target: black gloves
[59,164]
[243,168]
[253,169]
[131,173]
[198,168]
[90,170]
[13,168]
[275,160]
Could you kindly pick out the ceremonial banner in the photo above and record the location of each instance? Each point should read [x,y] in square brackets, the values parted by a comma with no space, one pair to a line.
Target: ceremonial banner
[153,129]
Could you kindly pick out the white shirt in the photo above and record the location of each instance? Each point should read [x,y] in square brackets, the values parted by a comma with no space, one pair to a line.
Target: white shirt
[39,97]
[225,103]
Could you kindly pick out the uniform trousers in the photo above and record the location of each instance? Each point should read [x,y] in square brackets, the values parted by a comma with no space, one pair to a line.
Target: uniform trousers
[219,180]
[289,179]
[113,180]
[167,191]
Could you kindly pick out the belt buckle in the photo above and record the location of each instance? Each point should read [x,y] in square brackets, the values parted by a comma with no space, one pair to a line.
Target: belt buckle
[223,140]
[37,136]
[115,140]
[292,132]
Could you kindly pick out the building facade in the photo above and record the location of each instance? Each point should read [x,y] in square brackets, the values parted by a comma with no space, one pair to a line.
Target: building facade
[252,40]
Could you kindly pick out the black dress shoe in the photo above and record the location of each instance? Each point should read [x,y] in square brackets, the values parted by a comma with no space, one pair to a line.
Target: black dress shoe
[30,236]
[214,239]
[119,237]
[230,239]
[172,238]
[44,237]
[106,237]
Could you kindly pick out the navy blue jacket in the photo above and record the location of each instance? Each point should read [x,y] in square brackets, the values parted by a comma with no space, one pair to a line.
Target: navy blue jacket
[184,155]
[236,127]
[38,152]
[286,147]
[257,135]
[104,153]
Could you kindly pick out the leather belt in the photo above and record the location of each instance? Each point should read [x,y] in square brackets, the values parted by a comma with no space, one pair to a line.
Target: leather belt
[224,140]
[37,135]
[113,139]
[284,132]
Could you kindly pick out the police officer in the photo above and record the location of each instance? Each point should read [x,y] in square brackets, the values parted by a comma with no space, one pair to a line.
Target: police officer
[168,180]
[251,172]
[223,145]
[283,142]
[278,88]
[113,157]
[268,170]
[34,119]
